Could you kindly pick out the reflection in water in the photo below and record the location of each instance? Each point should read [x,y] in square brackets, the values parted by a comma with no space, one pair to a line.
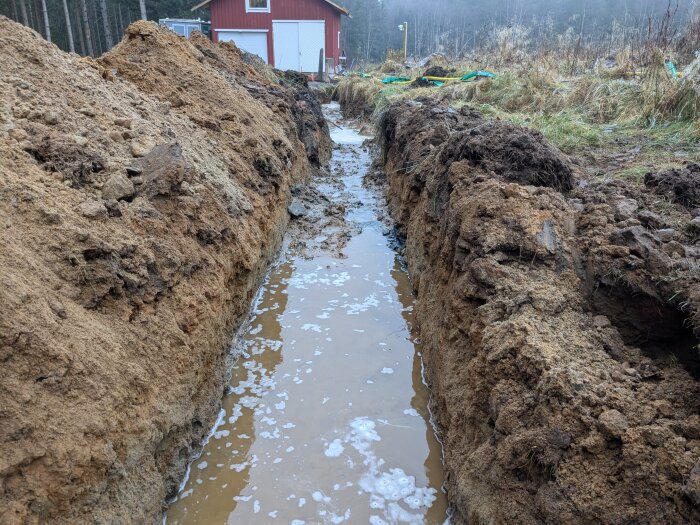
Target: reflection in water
[327,418]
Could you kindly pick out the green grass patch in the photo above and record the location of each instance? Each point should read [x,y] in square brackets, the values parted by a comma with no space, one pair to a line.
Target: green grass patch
[564,129]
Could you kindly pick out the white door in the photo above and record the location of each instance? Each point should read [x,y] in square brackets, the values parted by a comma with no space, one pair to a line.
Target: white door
[298,44]
[285,38]
[312,38]
[254,42]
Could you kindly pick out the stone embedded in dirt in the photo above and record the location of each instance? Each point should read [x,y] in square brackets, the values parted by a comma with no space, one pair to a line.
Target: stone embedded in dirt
[636,238]
[93,209]
[665,234]
[651,220]
[613,422]
[80,140]
[141,147]
[296,210]
[695,223]
[57,308]
[600,321]
[145,209]
[691,427]
[50,118]
[118,187]
[124,122]
[625,209]
[163,169]
[113,209]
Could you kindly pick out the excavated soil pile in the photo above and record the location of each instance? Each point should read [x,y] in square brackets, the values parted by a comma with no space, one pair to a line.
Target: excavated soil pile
[172,71]
[137,221]
[679,185]
[560,328]
[438,71]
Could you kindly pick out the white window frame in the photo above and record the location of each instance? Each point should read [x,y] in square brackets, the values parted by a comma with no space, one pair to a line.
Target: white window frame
[249,9]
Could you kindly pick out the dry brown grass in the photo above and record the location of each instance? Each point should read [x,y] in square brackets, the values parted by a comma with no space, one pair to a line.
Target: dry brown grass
[603,108]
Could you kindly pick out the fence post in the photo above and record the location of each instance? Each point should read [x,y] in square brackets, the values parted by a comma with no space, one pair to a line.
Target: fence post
[319,77]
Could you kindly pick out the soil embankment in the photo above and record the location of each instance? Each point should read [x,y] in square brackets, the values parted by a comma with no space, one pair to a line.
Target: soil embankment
[560,325]
[141,198]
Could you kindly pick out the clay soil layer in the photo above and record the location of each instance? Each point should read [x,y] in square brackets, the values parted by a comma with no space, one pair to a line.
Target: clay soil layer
[559,322]
[141,198]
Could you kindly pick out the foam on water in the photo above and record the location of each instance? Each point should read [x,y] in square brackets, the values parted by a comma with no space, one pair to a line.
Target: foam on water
[334,449]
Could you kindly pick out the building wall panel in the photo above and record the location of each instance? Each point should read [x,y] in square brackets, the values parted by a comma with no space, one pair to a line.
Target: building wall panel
[231,14]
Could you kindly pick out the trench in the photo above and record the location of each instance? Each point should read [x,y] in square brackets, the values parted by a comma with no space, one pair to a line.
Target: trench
[326,418]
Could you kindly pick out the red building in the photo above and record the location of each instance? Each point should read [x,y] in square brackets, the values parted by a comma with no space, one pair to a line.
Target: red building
[288,34]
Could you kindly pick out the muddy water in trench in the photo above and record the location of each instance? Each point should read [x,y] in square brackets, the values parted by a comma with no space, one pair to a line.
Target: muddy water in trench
[327,420]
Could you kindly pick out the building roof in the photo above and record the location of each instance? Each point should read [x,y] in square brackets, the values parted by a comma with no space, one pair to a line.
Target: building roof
[344,11]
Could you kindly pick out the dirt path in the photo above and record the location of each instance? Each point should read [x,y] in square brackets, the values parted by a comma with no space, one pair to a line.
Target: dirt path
[326,420]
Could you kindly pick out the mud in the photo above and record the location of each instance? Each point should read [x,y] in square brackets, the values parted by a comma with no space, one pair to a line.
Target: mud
[326,418]
[142,197]
[679,185]
[438,71]
[560,323]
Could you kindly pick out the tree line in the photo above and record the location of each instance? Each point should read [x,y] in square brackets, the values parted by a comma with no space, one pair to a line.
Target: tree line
[453,27]
[464,27]
[89,27]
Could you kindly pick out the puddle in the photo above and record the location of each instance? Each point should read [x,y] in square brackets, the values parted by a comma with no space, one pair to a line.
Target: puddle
[327,418]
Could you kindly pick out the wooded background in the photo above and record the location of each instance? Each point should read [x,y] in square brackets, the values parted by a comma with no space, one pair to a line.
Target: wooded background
[91,27]
[459,27]
[453,27]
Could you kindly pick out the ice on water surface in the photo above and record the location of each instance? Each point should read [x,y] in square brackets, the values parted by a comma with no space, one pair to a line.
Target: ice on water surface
[314,427]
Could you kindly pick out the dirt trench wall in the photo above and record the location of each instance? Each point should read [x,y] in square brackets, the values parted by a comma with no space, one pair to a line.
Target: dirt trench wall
[141,198]
[547,413]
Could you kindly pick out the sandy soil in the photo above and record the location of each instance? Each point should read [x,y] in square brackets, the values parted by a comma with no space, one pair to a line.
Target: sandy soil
[141,197]
[560,322]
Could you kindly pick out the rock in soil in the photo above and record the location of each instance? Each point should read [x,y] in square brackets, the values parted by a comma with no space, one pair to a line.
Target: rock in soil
[118,187]
[124,279]
[296,210]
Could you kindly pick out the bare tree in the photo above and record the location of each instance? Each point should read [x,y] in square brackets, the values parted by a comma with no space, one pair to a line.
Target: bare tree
[81,37]
[96,29]
[142,5]
[69,27]
[121,21]
[47,28]
[23,10]
[33,17]
[86,28]
[105,24]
